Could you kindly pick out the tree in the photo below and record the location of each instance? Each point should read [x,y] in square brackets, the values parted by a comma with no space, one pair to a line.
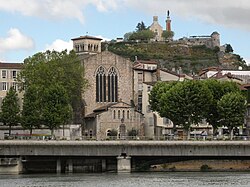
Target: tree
[229,49]
[218,89]
[141,26]
[56,110]
[10,109]
[167,34]
[232,108]
[127,36]
[143,35]
[32,105]
[156,93]
[185,103]
[51,67]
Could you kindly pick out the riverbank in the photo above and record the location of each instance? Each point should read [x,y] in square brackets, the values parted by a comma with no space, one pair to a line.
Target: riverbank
[204,165]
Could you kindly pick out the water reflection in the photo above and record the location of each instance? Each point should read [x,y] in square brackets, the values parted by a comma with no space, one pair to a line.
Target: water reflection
[178,179]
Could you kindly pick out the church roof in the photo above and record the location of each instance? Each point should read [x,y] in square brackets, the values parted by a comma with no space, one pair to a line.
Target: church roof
[86,37]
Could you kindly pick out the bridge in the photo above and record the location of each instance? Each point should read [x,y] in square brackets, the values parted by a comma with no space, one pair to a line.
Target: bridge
[122,150]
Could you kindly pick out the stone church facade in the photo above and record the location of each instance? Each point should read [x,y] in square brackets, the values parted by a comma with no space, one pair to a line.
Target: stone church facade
[108,98]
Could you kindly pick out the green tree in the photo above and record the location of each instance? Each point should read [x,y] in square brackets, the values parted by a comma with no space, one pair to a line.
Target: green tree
[218,89]
[144,35]
[10,114]
[185,103]
[31,113]
[232,108]
[127,36]
[156,93]
[141,26]
[51,67]
[167,34]
[229,49]
[56,110]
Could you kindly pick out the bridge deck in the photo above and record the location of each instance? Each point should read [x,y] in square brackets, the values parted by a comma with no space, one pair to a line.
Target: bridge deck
[132,148]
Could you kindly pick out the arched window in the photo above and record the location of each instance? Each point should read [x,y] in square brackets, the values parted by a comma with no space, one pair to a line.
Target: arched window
[128,114]
[119,114]
[112,85]
[123,114]
[114,115]
[100,85]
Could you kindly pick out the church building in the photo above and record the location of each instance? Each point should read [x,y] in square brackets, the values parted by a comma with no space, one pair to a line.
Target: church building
[108,99]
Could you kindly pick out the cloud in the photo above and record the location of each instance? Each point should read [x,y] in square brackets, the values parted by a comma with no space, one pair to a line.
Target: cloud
[229,13]
[103,38]
[16,41]
[60,45]
[56,9]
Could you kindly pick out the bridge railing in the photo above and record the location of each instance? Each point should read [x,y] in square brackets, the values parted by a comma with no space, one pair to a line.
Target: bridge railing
[135,138]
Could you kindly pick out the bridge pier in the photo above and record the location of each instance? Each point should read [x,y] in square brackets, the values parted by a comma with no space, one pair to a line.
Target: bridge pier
[11,165]
[70,166]
[124,164]
[58,166]
[104,165]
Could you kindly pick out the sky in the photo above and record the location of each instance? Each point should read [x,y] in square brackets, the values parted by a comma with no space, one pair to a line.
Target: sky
[31,26]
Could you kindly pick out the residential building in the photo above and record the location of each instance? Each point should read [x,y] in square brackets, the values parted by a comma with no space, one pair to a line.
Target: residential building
[8,76]
[239,76]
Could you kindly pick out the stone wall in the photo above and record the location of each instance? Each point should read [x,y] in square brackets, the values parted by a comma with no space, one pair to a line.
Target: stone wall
[107,60]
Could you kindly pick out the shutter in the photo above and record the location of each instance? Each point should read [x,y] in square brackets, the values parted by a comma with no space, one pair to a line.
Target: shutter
[1,86]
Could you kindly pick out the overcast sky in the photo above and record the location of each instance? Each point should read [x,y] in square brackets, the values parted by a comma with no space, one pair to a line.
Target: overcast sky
[30,26]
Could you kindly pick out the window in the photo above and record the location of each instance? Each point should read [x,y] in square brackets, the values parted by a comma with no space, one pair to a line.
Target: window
[100,85]
[119,114]
[4,74]
[140,87]
[123,114]
[151,121]
[114,114]
[149,88]
[128,114]
[13,74]
[14,84]
[77,48]
[139,103]
[112,85]
[4,86]
[140,77]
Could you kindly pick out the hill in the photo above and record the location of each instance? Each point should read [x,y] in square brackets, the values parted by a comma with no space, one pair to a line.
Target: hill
[174,55]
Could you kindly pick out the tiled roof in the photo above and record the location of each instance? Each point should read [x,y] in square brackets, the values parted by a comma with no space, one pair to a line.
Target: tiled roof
[147,61]
[86,37]
[171,72]
[5,65]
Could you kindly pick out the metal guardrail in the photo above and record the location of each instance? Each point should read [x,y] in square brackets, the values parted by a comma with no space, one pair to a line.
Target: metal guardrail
[134,138]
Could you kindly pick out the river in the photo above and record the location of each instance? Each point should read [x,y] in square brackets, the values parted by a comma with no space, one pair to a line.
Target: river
[161,179]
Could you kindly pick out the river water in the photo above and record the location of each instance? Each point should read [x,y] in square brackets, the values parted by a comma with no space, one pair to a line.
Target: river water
[161,179]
